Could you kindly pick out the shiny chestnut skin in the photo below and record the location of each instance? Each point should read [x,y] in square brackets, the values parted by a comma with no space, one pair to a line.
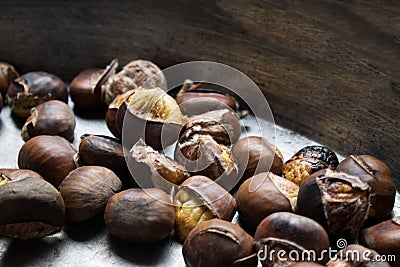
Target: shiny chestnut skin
[50,156]
[383,238]
[219,243]
[34,88]
[262,195]
[288,231]
[355,256]
[17,174]
[86,191]
[338,201]
[254,155]
[378,176]
[50,118]
[111,114]
[7,75]
[200,199]
[30,208]
[140,216]
[307,161]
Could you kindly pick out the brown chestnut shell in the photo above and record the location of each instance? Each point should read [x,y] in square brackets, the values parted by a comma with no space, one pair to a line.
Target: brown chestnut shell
[111,114]
[17,174]
[7,75]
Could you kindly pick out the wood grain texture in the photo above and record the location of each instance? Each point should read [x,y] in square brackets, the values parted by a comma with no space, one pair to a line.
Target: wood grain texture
[330,69]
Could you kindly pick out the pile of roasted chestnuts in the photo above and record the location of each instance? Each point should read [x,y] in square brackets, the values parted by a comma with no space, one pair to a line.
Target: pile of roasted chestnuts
[306,203]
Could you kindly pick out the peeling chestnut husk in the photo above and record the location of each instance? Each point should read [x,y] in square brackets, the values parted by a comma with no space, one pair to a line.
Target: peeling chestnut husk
[111,114]
[53,157]
[338,201]
[50,118]
[288,232]
[7,175]
[262,195]
[254,155]
[307,161]
[86,191]
[200,199]
[378,176]
[7,75]
[140,216]
[30,208]
[355,256]
[34,88]
[219,243]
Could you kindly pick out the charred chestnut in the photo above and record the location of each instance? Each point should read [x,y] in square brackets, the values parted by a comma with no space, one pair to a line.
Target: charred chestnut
[378,176]
[307,161]
[86,191]
[219,243]
[34,88]
[338,201]
[262,195]
[355,256]
[254,155]
[200,199]
[30,208]
[7,75]
[50,118]
[284,231]
[111,115]
[7,175]
[50,156]
[140,216]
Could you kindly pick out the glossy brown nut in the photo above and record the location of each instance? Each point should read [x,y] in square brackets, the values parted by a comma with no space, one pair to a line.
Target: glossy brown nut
[111,114]
[378,176]
[86,191]
[50,118]
[223,125]
[153,169]
[30,208]
[140,216]
[200,199]
[7,175]
[384,238]
[355,256]
[34,88]
[262,195]
[307,161]
[254,155]
[7,75]
[338,201]
[52,157]
[288,232]
[219,243]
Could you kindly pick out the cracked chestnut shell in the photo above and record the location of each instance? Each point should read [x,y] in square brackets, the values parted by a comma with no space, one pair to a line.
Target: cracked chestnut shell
[254,155]
[34,88]
[288,232]
[50,156]
[140,216]
[200,199]
[378,176]
[383,238]
[262,195]
[7,175]
[50,118]
[111,114]
[219,243]
[86,191]
[355,256]
[307,161]
[7,75]
[30,208]
[338,201]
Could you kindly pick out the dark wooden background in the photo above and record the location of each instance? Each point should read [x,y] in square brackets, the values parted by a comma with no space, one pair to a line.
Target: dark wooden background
[330,69]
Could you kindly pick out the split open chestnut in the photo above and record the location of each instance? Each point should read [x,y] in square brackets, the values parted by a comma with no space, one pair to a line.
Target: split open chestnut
[7,75]
[111,114]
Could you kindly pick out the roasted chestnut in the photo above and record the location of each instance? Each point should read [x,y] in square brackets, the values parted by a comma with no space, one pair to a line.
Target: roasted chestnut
[308,160]
[378,176]
[219,243]
[384,238]
[254,154]
[34,88]
[338,201]
[200,199]
[262,195]
[135,74]
[30,208]
[140,216]
[7,175]
[7,75]
[111,115]
[50,118]
[288,232]
[153,169]
[85,88]
[357,256]
[86,191]
[223,125]
[53,157]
